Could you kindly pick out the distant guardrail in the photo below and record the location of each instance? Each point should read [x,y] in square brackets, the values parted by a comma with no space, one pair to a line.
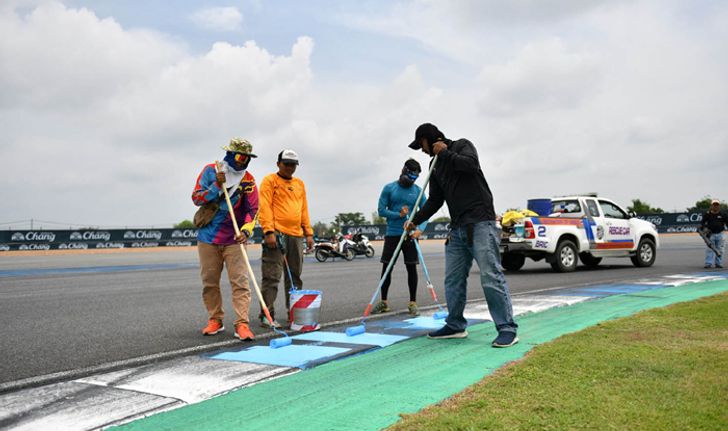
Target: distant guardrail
[100,239]
[665,223]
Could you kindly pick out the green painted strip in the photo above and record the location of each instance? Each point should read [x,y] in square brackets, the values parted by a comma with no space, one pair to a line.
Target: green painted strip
[368,392]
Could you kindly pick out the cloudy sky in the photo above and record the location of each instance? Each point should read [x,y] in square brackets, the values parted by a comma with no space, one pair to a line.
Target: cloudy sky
[110,109]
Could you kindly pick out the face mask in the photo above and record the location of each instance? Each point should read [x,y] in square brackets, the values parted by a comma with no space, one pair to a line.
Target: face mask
[232,160]
[407,178]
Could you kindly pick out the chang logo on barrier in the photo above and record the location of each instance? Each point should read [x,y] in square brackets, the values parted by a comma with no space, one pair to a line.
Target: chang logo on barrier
[73,246]
[656,220]
[143,234]
[33,236]
[110,245]
[371,230]
[681,229]
[144,244]
[187,233]
[35,247]
[441,227]
[683,218]
[179,243]
[91,235]
[4,247]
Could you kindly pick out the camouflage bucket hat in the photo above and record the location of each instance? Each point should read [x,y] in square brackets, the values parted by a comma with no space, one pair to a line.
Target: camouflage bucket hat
[240,145]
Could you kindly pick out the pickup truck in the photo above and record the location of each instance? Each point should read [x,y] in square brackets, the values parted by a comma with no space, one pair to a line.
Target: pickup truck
[586,228]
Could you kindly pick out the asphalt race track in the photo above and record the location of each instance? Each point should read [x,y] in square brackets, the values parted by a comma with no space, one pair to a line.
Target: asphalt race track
[78,312]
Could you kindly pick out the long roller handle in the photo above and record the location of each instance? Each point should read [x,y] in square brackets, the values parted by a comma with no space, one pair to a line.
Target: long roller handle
[251,274]
[401,240]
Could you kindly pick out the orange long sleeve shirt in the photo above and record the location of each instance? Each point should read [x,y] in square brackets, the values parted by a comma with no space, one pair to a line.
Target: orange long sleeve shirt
[283,206]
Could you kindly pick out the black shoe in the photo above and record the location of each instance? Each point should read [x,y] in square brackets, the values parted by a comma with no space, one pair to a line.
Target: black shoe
[717,265]
[707,267]
[447,332]
[505,339]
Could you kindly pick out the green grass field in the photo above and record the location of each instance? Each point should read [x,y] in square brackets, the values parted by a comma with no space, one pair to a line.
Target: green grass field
[662,369]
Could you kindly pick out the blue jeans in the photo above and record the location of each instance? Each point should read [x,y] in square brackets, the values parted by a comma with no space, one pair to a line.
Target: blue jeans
[458,261]
[710,257]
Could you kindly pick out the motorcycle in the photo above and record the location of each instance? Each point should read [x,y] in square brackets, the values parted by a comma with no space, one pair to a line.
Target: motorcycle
[331,249]
[362,245]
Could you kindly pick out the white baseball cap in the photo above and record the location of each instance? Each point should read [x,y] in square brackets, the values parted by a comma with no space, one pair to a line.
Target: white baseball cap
[288,156]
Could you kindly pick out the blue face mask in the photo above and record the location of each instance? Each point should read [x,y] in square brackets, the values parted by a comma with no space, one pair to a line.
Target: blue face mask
[407,178]
[230,160]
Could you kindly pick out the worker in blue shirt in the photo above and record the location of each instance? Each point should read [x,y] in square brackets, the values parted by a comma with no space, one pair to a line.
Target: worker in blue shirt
[395,203]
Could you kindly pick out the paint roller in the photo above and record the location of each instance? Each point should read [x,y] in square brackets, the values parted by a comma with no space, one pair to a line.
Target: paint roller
[439,315]
[278,342]
[360,329]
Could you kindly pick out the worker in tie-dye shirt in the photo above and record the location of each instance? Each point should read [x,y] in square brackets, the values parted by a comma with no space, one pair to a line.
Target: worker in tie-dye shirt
[217,244]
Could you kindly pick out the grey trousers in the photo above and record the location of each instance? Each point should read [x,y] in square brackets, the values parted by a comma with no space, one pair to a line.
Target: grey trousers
[273,267]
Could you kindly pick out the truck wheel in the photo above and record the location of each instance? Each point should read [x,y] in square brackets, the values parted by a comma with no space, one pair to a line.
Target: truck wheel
[565,256]
[589,260]
[370,251]
[513,261]
[646,253]
[321,255]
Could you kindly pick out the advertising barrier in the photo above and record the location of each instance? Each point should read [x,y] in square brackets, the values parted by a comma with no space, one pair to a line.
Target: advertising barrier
[102,239]
[146,238]
[665,223]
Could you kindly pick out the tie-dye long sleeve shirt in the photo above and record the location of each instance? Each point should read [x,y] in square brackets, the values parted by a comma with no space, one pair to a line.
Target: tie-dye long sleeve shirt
[245,206]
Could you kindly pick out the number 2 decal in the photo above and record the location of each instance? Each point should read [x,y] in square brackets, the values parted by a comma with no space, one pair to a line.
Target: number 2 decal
[542,231]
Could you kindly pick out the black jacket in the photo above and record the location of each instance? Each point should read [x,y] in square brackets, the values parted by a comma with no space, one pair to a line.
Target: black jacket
[715,221]
[459,181]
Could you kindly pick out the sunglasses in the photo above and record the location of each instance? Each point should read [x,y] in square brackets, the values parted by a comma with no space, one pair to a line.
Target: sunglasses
[241,158]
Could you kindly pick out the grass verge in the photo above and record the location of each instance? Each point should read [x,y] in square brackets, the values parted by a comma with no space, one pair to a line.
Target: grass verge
[660,369]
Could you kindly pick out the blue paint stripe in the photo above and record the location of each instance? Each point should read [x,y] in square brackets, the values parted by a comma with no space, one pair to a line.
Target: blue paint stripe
[366,338]
[94,269]
[287,356]
[587,223]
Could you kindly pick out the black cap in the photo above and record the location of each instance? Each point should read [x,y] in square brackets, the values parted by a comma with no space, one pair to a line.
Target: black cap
[428,131]
[413,165]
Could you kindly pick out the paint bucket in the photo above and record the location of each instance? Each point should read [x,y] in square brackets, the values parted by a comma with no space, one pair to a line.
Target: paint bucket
[305,313]
[541,207]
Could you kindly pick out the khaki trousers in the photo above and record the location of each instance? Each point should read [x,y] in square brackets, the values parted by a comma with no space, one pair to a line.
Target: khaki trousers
[212,259]
[272,268]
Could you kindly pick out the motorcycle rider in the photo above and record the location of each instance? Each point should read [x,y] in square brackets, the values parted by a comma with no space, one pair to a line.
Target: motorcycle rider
[395,202]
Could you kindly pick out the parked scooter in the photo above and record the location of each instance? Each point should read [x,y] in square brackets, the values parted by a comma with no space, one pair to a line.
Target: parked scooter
[333,249]
[362,245]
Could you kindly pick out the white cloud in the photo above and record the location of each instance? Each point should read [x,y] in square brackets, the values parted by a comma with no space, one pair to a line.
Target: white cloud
[543,76]
[107,125]
[218,18]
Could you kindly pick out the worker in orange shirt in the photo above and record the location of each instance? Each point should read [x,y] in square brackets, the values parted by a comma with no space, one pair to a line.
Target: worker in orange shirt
[283,216]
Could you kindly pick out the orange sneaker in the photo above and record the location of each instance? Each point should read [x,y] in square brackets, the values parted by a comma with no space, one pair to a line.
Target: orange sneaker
[243,333]
[213,327]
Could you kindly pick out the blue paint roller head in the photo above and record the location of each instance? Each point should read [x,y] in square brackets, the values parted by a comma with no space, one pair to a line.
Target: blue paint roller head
[355,330]
[280,342]
[440,315]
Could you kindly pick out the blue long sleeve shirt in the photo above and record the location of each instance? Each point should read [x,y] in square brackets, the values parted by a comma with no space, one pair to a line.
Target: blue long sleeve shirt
[391,201]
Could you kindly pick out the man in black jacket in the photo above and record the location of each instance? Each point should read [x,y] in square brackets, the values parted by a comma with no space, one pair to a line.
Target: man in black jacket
[459,181]
[715,221]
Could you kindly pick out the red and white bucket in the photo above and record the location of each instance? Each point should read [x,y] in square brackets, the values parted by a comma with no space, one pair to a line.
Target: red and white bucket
[305,312]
